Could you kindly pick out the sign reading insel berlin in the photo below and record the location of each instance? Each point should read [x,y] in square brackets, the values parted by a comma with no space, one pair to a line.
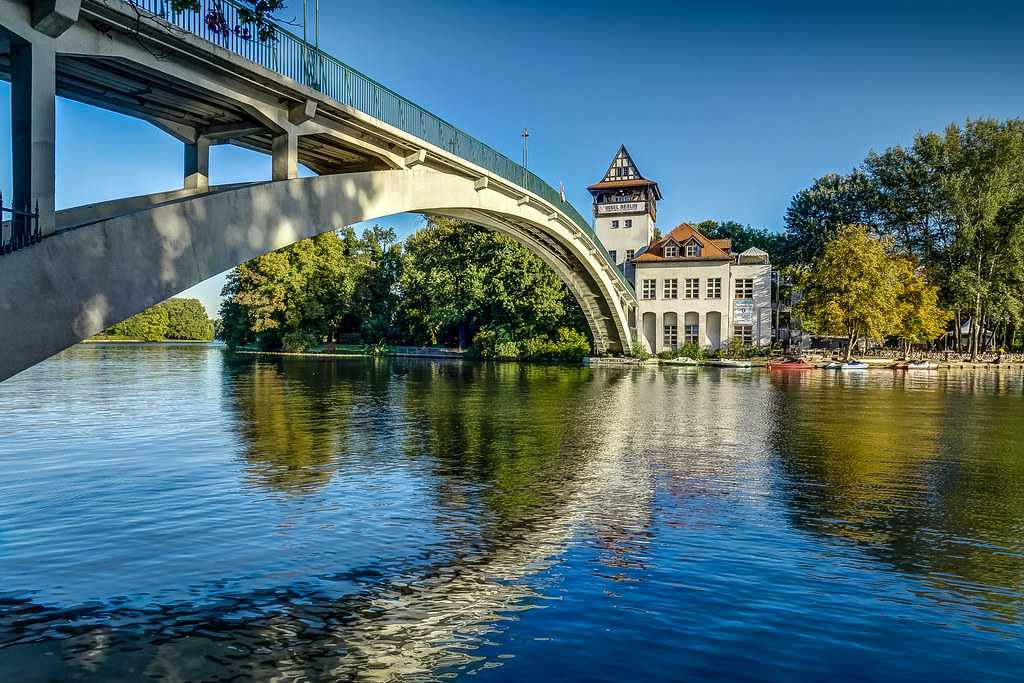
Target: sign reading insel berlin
[624,207]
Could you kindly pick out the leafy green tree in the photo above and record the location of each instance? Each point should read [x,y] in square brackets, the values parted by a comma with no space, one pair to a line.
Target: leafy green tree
[459,278]
[920,318]
[985,191]
[954,202]
[744,237]
[150,325]
[816,214]
[186,319]
[451,282]
[376,297]
[851,290]
[293,298]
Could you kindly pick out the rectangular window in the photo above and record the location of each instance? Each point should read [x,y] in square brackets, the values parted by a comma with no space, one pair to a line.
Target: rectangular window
[744,288]
[629,223]
[671,251]
[691,288]
[671,336]
[690,333]
[714,288]
[629,254]
[615,224]
[614,255]
[671,289]
[745,334]
[692,250]
[649,289]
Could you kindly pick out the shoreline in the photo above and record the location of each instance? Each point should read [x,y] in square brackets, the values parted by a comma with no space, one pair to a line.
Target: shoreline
[588,361]
[101,340]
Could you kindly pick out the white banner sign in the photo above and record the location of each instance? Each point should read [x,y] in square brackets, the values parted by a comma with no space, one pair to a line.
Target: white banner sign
[743,312]
[625,207]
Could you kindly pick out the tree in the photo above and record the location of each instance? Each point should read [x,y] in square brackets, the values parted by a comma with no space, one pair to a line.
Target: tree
[292,298]
[851,289]
[816,214]
[150,325]
[984,187]
[451,281]
[186,319]
[459,278]
[375,299]
[954,202]
[744,237]
[920,318]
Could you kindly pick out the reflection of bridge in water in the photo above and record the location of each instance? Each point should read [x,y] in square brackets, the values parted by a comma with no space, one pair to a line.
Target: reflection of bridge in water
[524,471]
[377,154]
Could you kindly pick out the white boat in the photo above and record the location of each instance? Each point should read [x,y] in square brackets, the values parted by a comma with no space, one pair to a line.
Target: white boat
[682,360]
[832,365]
[854,365]
[730,363]
[922,365]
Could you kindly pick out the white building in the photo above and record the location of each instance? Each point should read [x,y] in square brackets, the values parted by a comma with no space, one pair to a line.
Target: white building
[690,288]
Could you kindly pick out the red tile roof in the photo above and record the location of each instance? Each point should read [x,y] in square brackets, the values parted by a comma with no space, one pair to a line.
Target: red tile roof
[681,234]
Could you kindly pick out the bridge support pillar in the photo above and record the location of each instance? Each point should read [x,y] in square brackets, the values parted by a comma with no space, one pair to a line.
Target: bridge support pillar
[33,129]
[197,164]
[286,156]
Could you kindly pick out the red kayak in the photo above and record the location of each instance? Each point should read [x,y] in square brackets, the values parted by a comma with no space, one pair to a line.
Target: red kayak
[791,364]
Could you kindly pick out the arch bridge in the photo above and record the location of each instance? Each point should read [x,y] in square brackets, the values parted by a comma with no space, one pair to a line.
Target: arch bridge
[67,275]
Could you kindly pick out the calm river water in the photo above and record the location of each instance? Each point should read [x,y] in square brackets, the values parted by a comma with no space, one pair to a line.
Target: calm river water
[183,514]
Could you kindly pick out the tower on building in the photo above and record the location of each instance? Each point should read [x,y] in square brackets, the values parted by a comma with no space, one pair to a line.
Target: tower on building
[625,209]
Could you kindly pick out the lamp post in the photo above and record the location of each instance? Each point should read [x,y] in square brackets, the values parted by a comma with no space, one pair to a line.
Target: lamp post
[526,154]
[316,37]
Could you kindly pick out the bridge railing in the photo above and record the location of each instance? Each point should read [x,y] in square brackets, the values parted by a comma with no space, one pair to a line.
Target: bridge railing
[21,230]
[218,22]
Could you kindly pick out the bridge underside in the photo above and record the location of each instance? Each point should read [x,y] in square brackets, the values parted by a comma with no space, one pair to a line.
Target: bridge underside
[84,278]
[101,263]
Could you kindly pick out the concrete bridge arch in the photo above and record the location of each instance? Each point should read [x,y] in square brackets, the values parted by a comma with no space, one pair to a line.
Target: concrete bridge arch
[109,261]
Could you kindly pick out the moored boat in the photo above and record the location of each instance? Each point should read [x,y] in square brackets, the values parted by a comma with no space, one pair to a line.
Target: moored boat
[854,365]
[682,360]
[730,363]
[790,364]
[832,365]
[922,365]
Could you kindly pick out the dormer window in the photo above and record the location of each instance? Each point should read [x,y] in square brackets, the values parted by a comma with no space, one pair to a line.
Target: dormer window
[692,249]
[671,251]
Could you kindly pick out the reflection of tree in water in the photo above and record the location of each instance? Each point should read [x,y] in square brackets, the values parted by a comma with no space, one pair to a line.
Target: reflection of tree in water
[497,435]
[291,417]
[931,482]
[516,468]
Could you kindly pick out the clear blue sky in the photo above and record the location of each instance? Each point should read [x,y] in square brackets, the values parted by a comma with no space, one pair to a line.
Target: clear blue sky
[733,107]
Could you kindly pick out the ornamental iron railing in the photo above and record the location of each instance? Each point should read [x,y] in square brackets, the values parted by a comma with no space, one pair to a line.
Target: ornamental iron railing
[217,21]
[21,230]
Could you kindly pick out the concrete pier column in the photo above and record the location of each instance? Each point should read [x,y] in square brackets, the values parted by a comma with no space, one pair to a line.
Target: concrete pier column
[197,164]
[33,129]
[286,156]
